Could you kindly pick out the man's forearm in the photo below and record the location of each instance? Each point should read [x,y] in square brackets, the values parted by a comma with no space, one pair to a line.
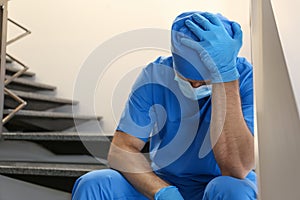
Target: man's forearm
[136,169]
[232,141]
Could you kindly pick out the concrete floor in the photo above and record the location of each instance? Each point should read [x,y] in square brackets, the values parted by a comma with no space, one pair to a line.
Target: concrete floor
[12,189]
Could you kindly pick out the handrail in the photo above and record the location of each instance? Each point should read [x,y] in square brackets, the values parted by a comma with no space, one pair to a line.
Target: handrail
[3,36]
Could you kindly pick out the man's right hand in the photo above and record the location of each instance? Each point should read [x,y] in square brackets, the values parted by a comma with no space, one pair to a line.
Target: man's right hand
[125,156]
[168,193]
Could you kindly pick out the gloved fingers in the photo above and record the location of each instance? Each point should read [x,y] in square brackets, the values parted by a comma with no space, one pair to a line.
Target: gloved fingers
[203,54]
[237,31]
[181,33]
[212,18]
[192,44]
[197,46]
[195,29]
[202,22]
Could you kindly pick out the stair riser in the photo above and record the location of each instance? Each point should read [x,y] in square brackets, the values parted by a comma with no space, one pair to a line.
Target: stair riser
[56,182]
[36,124]
[98,149]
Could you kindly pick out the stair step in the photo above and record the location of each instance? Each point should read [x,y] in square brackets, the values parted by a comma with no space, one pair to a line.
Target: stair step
[10,70]
[36,101]
[37,160]
[34,121]
[57,136]
[26,85]
[66,143]
[47,169]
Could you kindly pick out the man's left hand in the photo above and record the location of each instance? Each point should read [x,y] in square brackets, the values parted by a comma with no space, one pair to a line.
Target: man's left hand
[216,48]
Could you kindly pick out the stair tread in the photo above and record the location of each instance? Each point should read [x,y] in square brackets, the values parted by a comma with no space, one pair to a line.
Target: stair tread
[57,136]
[43,97]
[13,159]
[14,70]
[47,114]
[31,83]
[47,169]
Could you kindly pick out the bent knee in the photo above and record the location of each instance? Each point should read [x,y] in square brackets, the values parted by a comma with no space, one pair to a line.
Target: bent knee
[226,187]
[97,178]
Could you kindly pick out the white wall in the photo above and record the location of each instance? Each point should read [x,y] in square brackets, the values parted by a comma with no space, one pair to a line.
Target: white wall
[289,32]
[274,55]
[65,33]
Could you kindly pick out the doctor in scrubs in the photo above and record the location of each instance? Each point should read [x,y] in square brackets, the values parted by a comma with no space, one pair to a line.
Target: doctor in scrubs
[195,108]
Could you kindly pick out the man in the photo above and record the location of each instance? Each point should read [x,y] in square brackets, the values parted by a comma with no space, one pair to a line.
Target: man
[196,109]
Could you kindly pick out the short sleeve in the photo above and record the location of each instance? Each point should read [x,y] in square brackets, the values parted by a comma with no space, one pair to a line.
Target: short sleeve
[137,117]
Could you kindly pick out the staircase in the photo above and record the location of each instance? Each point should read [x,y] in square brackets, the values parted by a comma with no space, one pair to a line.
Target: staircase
[38,146]
[41,151]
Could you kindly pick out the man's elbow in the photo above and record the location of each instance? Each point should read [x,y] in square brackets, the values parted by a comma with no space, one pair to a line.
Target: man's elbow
[115,157]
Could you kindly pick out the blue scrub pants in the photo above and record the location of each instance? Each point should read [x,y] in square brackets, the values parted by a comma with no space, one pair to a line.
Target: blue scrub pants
[111,185]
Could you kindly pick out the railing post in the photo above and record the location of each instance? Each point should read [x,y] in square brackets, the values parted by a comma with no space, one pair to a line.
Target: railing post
[3,36]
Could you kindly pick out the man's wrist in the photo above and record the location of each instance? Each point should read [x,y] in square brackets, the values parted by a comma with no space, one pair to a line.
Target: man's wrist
[228,76]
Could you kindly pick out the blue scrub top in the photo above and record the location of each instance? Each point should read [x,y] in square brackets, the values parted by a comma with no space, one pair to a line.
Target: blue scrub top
[177,127]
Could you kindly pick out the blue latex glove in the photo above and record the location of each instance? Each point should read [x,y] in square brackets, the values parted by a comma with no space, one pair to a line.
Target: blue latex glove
[168,193]
[216,48]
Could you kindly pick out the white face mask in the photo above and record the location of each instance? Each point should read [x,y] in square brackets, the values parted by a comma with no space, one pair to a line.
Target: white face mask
[193,93]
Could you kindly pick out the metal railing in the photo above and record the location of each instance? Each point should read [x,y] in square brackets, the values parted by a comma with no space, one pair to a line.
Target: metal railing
[8,92]
[27,32]
[4,55]
[3,32]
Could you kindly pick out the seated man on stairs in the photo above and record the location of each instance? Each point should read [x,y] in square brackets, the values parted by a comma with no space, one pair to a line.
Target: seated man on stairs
[196,110]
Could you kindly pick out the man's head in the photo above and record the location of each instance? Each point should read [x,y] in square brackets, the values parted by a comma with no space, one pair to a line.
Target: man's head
[186,61]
